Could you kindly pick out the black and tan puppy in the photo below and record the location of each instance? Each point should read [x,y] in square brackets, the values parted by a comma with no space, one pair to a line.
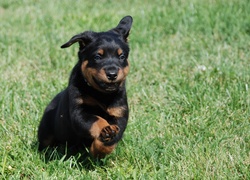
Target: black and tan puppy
[92,111]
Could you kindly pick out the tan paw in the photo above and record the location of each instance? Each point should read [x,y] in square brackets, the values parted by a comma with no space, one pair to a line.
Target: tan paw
[108,133]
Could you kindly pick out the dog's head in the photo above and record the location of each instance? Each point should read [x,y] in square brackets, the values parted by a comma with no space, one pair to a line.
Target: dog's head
[104,56]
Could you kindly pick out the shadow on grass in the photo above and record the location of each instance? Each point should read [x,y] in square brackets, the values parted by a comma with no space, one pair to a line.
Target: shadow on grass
[79,156]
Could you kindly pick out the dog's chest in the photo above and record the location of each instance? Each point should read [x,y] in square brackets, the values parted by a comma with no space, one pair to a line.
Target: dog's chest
[95,107]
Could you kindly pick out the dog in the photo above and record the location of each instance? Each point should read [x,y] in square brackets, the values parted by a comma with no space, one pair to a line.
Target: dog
[92,111]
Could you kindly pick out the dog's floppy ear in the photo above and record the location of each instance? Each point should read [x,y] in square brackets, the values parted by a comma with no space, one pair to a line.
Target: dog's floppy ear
[124,27]
[83,39]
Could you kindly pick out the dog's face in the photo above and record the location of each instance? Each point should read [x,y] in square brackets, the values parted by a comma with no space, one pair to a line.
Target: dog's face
[104,56]
[105,62]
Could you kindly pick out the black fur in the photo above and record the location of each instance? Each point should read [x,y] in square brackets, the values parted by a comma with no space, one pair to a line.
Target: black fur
[96,91]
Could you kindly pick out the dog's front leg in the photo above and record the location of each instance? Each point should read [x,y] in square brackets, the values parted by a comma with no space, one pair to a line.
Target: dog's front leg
[99,129]
[106,136]
[103,134]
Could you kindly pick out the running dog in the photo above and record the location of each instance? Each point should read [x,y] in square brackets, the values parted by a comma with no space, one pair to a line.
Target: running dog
[92,111]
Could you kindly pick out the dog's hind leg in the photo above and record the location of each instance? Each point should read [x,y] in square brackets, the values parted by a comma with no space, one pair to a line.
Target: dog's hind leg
[46,135]
[46,130]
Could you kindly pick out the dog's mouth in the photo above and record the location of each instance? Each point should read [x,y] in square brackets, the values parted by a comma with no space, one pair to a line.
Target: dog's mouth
[107,86]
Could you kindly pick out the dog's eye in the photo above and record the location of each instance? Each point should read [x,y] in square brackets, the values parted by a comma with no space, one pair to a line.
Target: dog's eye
[97,57]
[122,57]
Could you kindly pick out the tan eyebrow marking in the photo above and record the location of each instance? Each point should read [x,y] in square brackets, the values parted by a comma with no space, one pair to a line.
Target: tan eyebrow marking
[119,51]
[100,51]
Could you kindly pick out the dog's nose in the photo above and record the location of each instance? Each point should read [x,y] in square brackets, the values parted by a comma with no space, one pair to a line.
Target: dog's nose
[111,72]
[112,75]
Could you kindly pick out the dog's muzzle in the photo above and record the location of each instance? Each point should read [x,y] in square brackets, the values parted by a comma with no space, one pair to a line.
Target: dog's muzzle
[107,86]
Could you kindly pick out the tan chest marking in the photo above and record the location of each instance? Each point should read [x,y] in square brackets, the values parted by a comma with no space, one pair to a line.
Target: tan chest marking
[116,111]
[88,101]
[112,111]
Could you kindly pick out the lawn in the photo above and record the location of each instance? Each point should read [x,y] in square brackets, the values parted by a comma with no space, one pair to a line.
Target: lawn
[188,87]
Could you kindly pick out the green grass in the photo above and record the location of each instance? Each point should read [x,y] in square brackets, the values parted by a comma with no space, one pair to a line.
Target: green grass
[188,88]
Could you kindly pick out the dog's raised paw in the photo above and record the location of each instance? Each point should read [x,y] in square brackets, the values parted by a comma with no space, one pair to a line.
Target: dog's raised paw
[109,132]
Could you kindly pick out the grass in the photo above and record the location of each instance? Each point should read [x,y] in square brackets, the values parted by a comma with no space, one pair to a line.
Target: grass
[188,87]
